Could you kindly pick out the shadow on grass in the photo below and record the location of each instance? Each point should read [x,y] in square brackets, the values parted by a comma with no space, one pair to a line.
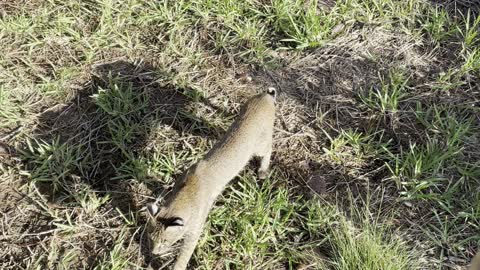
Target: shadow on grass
[458,7]
[319,95]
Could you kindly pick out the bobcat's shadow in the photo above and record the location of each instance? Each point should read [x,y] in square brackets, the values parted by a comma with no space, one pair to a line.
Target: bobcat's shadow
[100,140]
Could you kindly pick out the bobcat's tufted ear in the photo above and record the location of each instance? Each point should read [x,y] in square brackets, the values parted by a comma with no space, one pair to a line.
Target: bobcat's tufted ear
[175,226]
[176,221]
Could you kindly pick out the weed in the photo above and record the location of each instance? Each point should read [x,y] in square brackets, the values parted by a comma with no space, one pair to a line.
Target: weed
[420,168]
[303,25]
[387,97]
[52,163]
[438,25]
[115,260]
[370,246]
[354,147]
[8,112]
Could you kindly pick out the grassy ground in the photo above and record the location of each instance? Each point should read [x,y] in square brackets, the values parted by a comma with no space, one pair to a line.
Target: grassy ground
[376,165]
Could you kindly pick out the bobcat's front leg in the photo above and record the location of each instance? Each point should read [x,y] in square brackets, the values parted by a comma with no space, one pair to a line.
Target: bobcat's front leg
[186,251]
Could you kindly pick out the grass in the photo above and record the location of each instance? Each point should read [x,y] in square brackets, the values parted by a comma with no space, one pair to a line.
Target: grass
[103,104]
[264,218]
[374,246]
[386,97]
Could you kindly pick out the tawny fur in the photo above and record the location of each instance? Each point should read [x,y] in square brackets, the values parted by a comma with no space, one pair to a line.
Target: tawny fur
[475,265]
[185,212]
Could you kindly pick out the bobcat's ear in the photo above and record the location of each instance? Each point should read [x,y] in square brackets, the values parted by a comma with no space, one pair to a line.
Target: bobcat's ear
[153,209]
[176,221]
[174,226]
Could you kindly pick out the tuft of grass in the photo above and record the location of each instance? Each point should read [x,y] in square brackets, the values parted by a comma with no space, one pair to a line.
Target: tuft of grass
[88,199]
[369,249]
[446,121]
[354,147]
[303,24]
[468,60]
[115,259]
[120,100]
[367,243]
[52,163]
[471,63]
[438,25]
[8,112]
[386,97]
[420,169]
[469,31]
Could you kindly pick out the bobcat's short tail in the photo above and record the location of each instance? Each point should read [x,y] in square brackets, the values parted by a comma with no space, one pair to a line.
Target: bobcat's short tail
[272,92]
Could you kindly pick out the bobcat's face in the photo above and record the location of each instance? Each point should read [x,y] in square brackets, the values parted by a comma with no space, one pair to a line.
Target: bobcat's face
[164,231]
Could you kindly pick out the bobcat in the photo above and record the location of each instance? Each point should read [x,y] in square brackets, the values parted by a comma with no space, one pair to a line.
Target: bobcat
[185,212]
